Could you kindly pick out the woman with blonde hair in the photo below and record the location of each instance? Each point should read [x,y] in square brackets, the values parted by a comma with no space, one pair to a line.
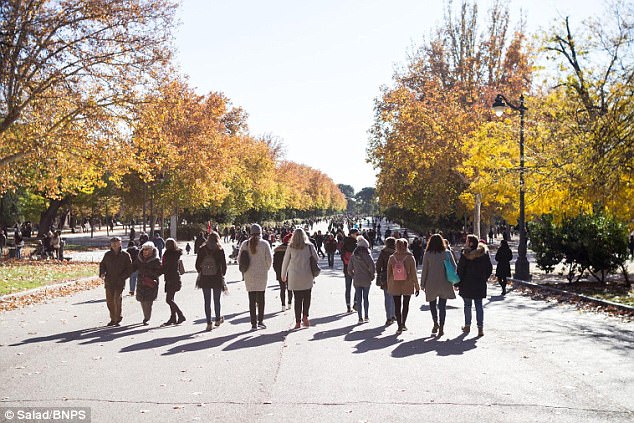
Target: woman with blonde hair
[434,281]
[256,275]
[297,271]
[402,281]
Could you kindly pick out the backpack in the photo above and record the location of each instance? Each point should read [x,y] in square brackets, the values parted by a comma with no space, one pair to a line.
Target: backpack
[208,267]
[398,270]
[243,261]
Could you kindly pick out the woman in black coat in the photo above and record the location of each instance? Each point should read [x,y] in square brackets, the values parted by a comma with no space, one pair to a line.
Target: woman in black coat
[503,270]
[173,284]
[474,269]
[149,267]
[211,265]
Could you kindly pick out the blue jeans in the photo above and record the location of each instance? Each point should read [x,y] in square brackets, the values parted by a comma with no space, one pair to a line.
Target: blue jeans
[390,309]
[362,292]
[348,285]
[133,279]
[479,311]
[207,297]
[442,309]
[18,252]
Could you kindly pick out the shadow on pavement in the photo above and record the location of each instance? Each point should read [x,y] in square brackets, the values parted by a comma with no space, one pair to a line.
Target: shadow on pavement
[227,317]
[247,319]
[211,342]
[103,300]
[443,347]
[327,319]
[332,333]
[89,336]
[256,341]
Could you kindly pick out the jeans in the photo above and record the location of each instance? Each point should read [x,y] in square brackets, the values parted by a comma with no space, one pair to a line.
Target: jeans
[479,311]
[331,259]
[133,278]
[169,299]
[442,308]
[256,298]
[348,284]
[362,293]
[401,315]
[207,297]
[390,309]
[18,252]
[283,290]
[302,303]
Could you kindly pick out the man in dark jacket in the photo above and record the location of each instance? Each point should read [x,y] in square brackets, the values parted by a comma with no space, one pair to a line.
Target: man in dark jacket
[349,245]
[114,269]
[474,269]
[278,258]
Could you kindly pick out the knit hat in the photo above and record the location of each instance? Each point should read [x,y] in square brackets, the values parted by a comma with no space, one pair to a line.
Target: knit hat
[361,242]
[148,246]
[256,229]
[287,238]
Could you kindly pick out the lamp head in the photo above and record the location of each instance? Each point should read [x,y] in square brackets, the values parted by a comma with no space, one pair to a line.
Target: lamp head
[499,105]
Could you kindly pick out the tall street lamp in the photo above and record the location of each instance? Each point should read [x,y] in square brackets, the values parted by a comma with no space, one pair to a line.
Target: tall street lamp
[522,269]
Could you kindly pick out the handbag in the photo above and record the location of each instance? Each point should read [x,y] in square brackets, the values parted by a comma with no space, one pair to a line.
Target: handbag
[148,282]
[314,266]
[244,260]
[450,270]
[181,267]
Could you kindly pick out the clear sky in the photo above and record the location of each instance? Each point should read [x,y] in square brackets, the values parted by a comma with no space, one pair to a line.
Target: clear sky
[308,71]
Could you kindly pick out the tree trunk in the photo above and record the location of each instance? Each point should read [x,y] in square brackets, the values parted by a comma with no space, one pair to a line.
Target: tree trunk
[48,216]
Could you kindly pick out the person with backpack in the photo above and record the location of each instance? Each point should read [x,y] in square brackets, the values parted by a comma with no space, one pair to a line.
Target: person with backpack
[255,275]
[503,258]
[134,254]
[381,279]
[211,265]
[474,269]
[297,271]
[348,246]
[278,259]
[402,281]
[434,281]
[362,268]
[173,284]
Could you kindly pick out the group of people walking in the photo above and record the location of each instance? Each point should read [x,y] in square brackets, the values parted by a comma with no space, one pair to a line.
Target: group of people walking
[295,264]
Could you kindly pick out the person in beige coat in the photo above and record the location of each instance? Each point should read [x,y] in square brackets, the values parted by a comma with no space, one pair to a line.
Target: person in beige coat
[434,281]
[257,274]
[402,281]
[297,271]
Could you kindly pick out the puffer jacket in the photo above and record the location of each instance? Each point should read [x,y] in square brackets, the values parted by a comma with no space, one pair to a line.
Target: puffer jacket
[361,268]
[148,268]
[170,269]
[474,269]
[115,267]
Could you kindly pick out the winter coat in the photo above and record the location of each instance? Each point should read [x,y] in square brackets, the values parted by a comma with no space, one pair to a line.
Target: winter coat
[134,253]
[503,258]
[433,278]
[474,269]
[278,259]
[349,244]
[256,276]
[170,270]
[296,264]
[116,268]
[381,266]
[216,281]
[330,245]
[149,268]
[406,287]
[361,268]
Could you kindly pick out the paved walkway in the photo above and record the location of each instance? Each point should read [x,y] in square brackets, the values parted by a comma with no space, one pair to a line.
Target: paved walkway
[537,361]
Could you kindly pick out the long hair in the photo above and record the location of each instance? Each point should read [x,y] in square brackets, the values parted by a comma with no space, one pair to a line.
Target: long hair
[299,239]
[253,243]
[436,244]
[401,245]
[214,239]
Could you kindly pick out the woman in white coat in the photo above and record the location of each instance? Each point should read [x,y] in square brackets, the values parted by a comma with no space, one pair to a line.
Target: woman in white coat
[256,275]
[296,270]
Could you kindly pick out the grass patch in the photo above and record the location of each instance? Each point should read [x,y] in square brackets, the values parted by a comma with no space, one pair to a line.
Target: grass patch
[616,293]
[16,276]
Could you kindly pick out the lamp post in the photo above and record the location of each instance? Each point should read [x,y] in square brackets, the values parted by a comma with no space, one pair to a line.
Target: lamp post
[522,269]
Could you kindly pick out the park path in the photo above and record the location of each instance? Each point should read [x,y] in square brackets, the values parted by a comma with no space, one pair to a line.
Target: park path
[538,361]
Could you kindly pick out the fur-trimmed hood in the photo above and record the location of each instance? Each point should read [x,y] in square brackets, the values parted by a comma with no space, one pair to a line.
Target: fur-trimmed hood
[479,251]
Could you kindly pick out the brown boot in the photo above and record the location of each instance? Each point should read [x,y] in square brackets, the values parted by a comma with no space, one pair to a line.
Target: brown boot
[480,331]
[466,329]
[434,330]
[441,331]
